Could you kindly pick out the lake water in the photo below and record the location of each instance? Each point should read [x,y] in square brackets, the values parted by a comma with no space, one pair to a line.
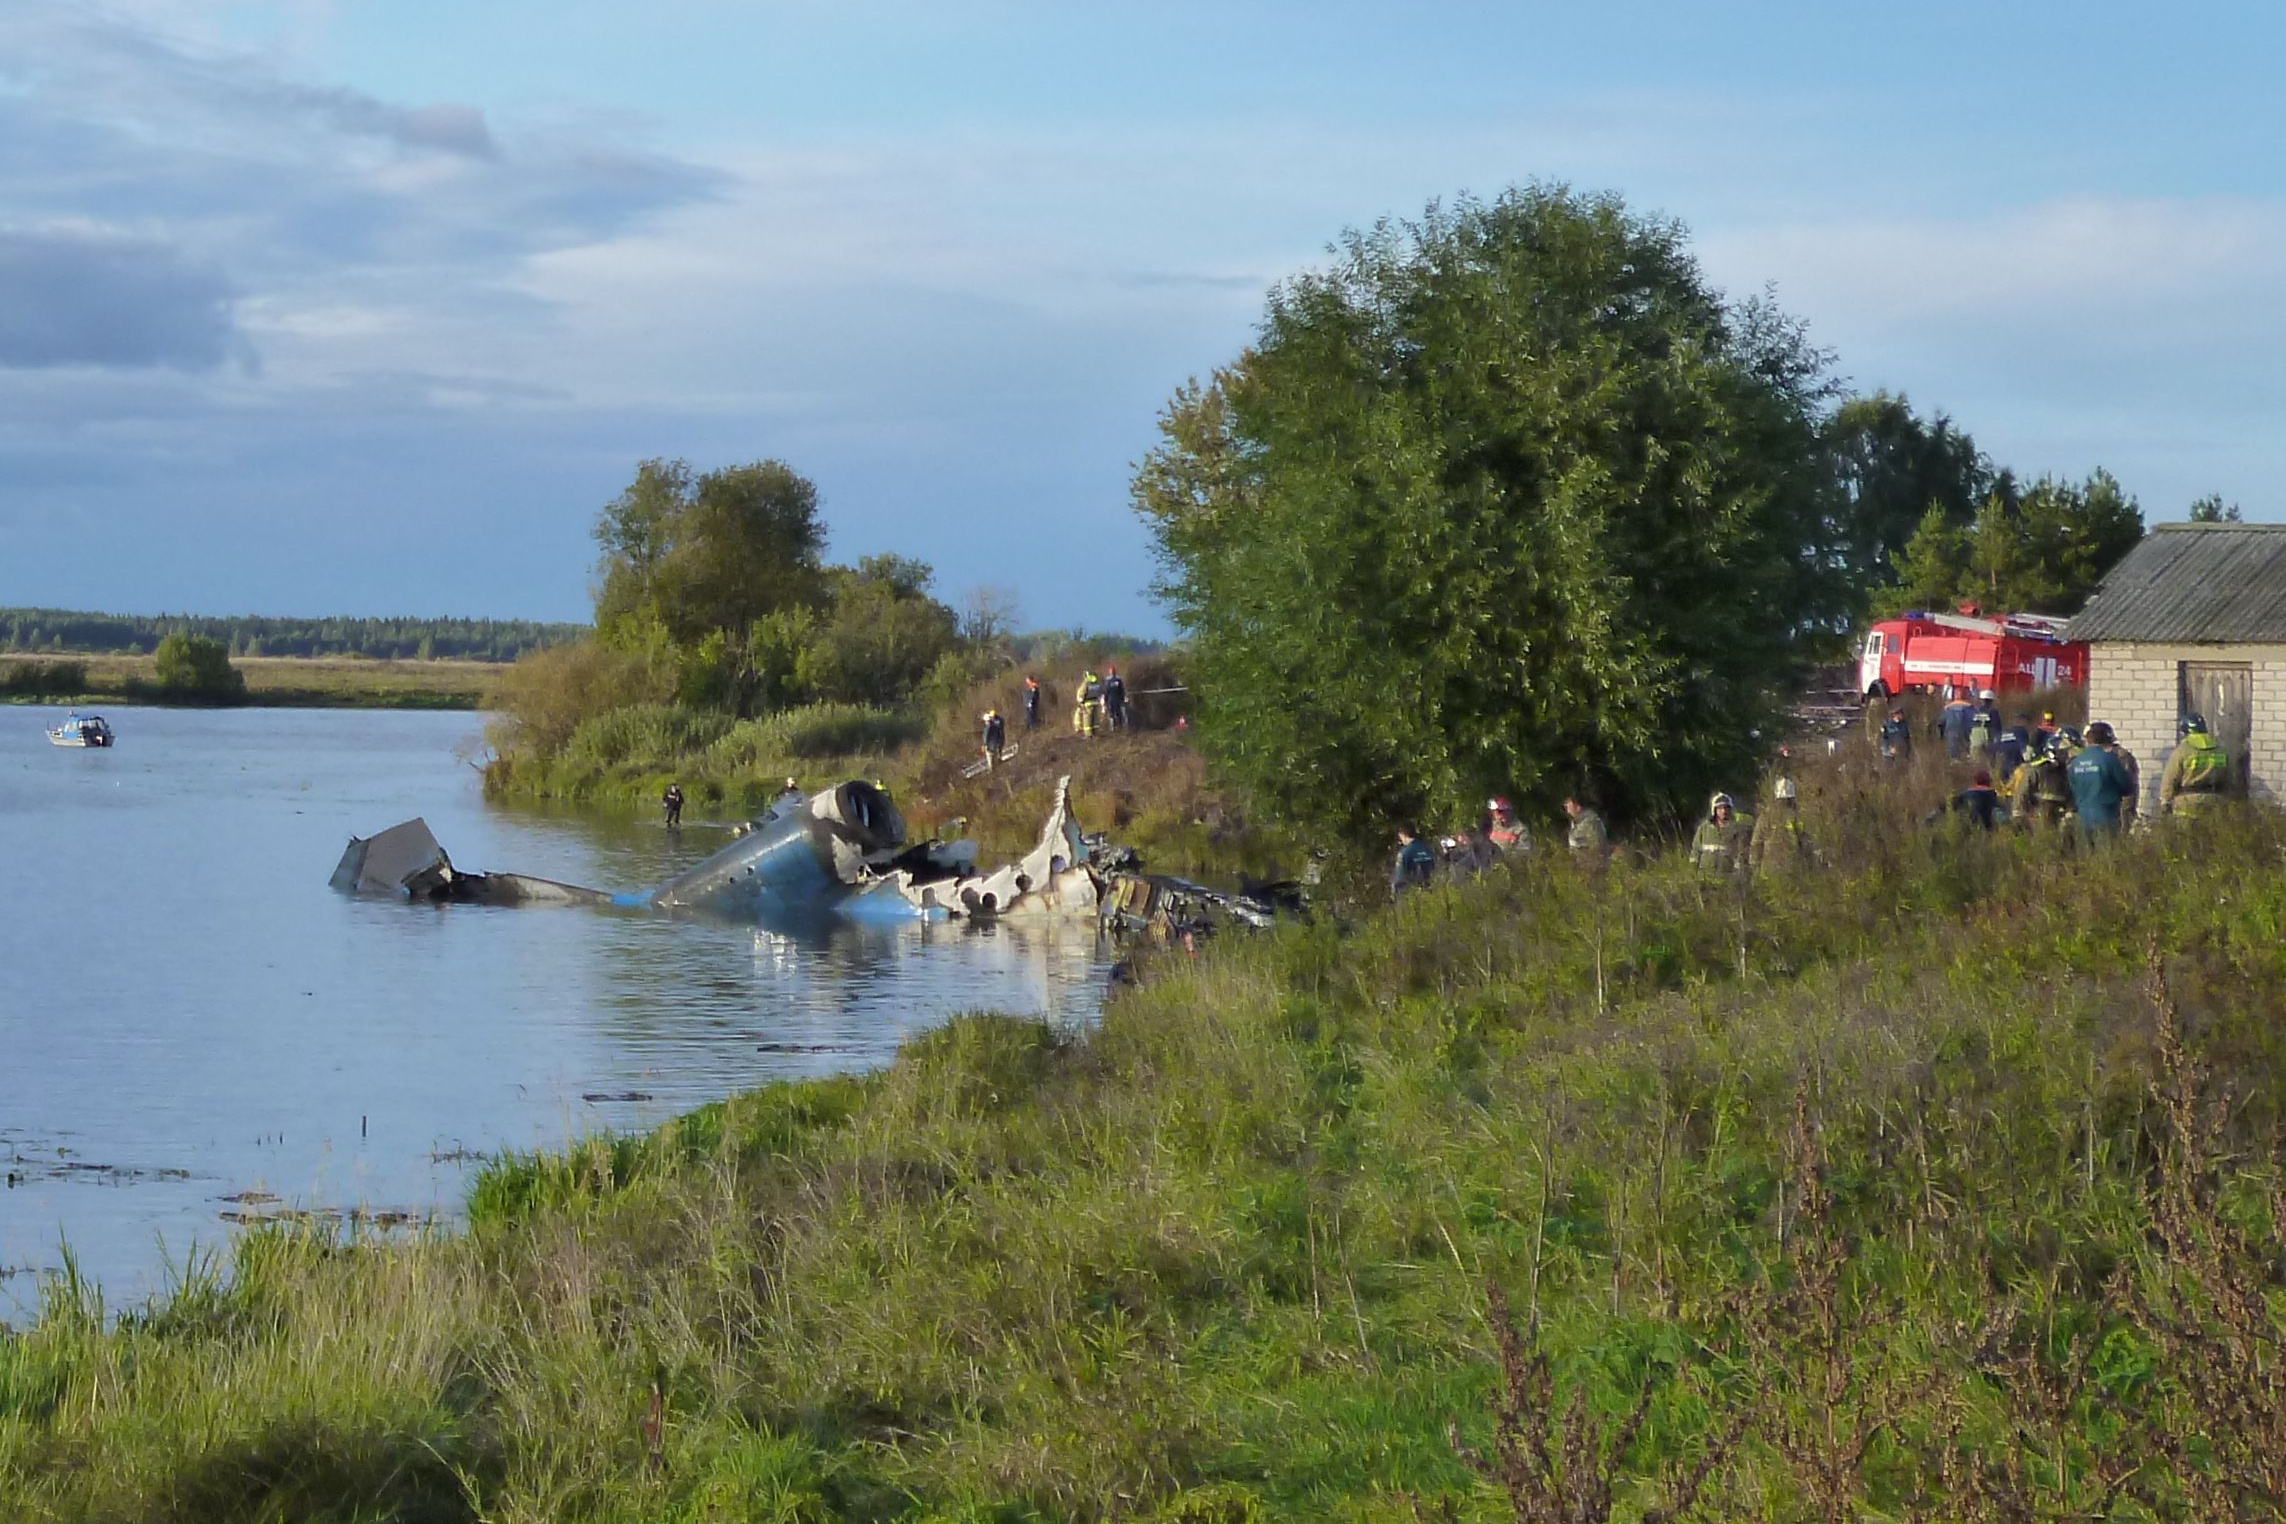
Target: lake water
[191,1021]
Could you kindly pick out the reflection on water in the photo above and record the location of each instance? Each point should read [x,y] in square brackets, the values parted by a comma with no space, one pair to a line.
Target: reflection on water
[188,1015]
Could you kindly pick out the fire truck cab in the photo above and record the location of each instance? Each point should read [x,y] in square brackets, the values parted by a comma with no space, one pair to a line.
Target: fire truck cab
[1967,650]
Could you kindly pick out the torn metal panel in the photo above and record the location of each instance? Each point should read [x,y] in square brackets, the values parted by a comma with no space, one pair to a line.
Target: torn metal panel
[1052,879]
[391,861]
[406,861]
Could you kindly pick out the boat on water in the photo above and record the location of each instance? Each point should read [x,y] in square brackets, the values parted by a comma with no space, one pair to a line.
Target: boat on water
[81,730]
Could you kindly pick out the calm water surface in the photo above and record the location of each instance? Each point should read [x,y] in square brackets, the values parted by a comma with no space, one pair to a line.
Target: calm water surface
[189,1015]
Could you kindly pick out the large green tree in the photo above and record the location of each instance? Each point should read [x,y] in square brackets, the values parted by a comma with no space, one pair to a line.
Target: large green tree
[694,555]
[1893,468]
[1504,499]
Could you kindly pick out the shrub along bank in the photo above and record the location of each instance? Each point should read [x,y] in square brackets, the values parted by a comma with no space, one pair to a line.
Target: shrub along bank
[1897,1186]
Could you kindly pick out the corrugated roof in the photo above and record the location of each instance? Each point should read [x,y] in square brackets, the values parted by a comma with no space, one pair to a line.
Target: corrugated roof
[2194,582]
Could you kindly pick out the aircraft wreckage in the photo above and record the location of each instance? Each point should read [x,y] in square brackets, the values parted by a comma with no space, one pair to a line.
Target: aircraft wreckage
[842,850]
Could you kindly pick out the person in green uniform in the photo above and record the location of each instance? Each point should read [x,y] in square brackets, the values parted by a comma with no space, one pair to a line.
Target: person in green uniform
[2199,772]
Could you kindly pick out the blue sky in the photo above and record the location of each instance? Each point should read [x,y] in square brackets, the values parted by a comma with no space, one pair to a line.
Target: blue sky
[367,306]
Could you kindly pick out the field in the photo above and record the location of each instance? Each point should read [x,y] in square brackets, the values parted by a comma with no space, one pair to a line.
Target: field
[311,682]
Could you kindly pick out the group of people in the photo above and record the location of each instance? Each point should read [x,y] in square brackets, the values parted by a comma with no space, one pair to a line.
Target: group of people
[1478,845]
[1098,703]
[2050,776]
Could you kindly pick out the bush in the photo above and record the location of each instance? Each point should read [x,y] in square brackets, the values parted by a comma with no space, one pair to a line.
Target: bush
[49,679]
[644,734]
[198,667]
[812,732]
[547,694]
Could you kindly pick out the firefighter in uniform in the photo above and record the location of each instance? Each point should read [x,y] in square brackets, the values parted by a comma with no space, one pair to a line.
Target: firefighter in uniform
[1725,838]
[1084,703]
[2043,795]
[1984,728]
[2198,772]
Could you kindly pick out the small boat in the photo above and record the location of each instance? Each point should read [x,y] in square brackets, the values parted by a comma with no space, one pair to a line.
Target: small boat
[81,730]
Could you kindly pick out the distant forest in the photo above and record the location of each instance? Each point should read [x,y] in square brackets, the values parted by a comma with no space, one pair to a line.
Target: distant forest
[251,635]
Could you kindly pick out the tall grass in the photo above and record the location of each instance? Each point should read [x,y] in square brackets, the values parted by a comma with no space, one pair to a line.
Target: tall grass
[1900,1185]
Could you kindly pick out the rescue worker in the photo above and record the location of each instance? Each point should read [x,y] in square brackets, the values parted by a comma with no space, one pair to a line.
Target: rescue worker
[2045,732]
[2198,772]
[1031,702]
[1984,728]
[1084,701]
[1725,838]
[672,801]
[1953,722]
[1114,699]
[2043,791]
[995,737]
[1468,854]
[1896,739]
[1416,863]
[1980,802]
[2102,787]
[1587,839]
[1504,830]
[2011,747]
[1780,843]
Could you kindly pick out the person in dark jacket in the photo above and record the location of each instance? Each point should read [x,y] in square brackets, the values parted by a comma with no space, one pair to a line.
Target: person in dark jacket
[2103,786]
[1980,802]
[995,737]
[2011,747]
[1031,702]
[1896,738]
[1416,863]
[1954,722]
[1114,699]
[672,801]
[1469,854]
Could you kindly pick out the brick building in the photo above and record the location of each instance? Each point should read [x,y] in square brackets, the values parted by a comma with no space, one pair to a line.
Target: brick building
[2194,622]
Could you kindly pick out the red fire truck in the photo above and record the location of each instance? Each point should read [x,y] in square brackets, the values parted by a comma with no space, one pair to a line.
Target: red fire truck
[1969,650]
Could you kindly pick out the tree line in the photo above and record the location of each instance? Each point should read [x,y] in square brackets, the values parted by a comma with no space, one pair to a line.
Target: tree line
[498,640]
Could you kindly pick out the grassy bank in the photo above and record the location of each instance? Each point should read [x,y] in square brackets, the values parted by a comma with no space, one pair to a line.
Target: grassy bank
[1938,1179]
[326,682]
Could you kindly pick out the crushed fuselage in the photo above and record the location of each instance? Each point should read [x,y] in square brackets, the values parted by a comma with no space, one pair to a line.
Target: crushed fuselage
[842,850]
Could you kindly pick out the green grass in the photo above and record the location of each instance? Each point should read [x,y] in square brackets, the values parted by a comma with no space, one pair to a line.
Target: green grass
[1889,1189]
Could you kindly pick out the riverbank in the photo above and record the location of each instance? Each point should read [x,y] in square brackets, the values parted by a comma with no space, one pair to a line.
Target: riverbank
[322,682]
[1924,1179]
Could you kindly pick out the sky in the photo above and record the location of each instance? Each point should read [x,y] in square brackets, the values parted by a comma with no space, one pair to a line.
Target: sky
[367,306]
